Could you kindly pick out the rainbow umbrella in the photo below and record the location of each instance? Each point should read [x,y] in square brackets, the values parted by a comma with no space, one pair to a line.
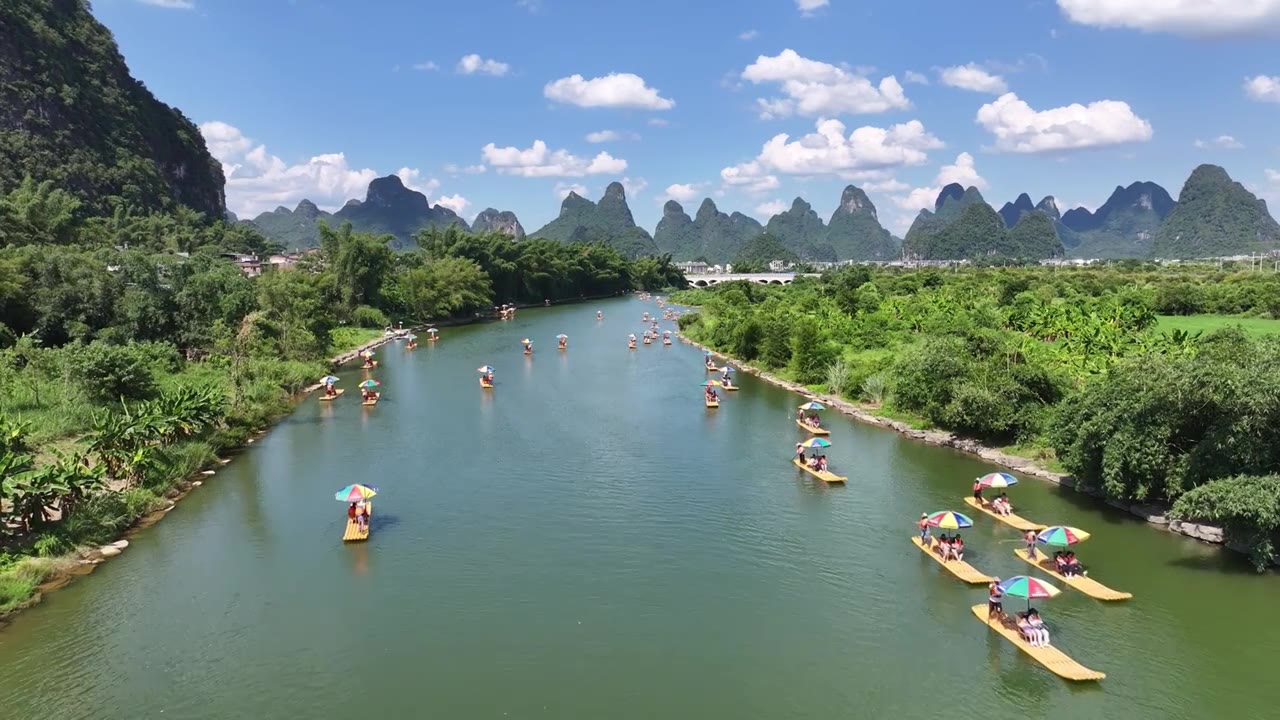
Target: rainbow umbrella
[527,341]
[355,493]
[1023,586]
[812,406]
[366,353]
[562,336]
[998,480]
[712,383]
[370,383]
[727,369]
[486,369]
[817,442]
[948,520]
[1061,535]
[328,380]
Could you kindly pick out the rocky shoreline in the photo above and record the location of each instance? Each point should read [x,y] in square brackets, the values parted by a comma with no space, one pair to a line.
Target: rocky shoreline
[1154,514]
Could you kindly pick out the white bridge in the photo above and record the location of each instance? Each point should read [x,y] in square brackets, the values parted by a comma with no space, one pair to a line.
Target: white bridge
[702,281]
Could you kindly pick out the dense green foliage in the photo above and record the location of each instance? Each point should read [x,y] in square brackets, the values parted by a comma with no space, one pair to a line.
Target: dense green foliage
[609,222]
[759,250]
[801,231]
[1066,361]
[1216,216]
[711,236]
[964,227]
[70,113]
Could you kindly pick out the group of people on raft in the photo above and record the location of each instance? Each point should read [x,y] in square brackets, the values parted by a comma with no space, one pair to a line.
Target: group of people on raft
[1000,503]
[810,419]
[711,394]
[814,461]
[359,512]
[505,312]
[949,548]
[1029,625]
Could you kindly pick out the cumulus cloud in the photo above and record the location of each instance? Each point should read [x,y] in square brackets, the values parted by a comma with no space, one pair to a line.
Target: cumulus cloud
[633,188]
[912,76]
[1199,18]
[1273,175]
[828,151]
[806,7]
[811,87]
[748,35]
[889,185]
[456,203]
[539,161]
[562,189]
[1019,128]
[1222,142]
[601,136]
[413,179]
[1263,88]
[749,176]
[475,65]
[464,169]
[258,181]
[170,4]
[682,192]
[766,210]
[962,171]
[972,77]
[612,90]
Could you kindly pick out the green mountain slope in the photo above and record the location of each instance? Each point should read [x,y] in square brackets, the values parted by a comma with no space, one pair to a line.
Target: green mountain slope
[609,222]
[762,249]
[963,226]
[801,231]
[493,221]
[294,229]
[70,112]
[855,233]
[1124,226]
[1215,216]
[711,234]
[391,208]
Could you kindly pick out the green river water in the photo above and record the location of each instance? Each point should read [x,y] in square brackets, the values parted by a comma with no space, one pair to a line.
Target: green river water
[588,541]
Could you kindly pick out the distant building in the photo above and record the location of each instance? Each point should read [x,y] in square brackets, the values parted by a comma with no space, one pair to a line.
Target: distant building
[692,268]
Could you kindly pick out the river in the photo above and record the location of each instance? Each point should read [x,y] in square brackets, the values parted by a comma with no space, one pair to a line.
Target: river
[588,541]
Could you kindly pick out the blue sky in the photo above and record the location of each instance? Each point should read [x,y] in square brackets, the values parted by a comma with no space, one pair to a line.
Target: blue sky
[495,103]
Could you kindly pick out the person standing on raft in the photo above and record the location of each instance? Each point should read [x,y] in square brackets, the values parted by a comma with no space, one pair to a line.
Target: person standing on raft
[1030,537]
[977,491]
[924,523]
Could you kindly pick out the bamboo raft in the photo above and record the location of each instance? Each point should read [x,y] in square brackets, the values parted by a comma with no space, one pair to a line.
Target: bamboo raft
[369,365]
[1012,519]
[1056,661]
[485,383]
[353,533]
[959,568]
[824,475]
[712,368]
[812,429]
[712,403]
[1083,583]
[730,388]
[336,393]
[631,346]
[647,341]
[666,341]
[372,401]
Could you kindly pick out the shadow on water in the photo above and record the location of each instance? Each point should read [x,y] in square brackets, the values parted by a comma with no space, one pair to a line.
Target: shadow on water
[1218,559]
[385,521]
[1083,501]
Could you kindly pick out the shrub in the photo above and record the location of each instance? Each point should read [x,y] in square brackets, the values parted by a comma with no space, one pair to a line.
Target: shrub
[1247,507]
[875,388]
[110,372]
[837,378]
[369,317]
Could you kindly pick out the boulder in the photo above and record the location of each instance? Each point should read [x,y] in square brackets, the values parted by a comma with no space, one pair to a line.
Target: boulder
[108,551]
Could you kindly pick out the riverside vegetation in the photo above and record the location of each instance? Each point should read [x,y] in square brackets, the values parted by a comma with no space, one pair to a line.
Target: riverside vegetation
[1067,365]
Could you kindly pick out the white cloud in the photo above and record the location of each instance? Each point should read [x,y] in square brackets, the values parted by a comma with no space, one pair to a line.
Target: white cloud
[464,169]
[412,179]
[475,65]
[766,210]
[455,202]
[749,35]
[1019,128]
[682,192]
[806,7]
[602,136]
[612,90]
[634,187]
[912,76]
[170,4]
[563,189]
[258,181]
[962,171]
[813,88]
[749,176]
[533,6]
[972,77]
[890,185]
[1222,142]
[428,65]
[1263,88]
[1273,175]
[658,122]
[829,152]
[1200,18]
[538,161]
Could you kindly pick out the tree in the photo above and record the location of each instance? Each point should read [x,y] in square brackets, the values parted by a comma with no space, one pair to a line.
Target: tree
[294,315]
[444,287]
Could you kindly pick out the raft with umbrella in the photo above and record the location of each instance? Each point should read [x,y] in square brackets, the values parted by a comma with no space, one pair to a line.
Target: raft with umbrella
[631,341]
[826,476]
[711,364]
[1064,536]
[357,494]
[1053,659]
[369,362]
[1000,481]
[666,337]
[432,334]
[528,346]
[724,371]
[709,402]
[562,341]
[328,381]
[370,385]
[815,429]
[486,376]
[413,342]
[948,520]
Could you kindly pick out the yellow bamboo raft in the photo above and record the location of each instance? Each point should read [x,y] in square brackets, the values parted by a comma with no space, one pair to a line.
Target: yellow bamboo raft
[730,388]
[815,430]
[1083,583]
[1012,519]
[666,341]
[959,568]
[824,475]
[485,383]
[631,345]
[336,393]
[647,341]
[712,368]
[1056,661]
[712,403]
[353,532]
[369,365]
[371,401]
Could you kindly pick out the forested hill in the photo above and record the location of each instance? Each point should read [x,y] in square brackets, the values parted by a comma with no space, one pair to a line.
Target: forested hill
[71,113]
[608,221]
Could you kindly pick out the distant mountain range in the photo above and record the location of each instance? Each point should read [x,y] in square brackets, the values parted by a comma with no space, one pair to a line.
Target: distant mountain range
[1213,216]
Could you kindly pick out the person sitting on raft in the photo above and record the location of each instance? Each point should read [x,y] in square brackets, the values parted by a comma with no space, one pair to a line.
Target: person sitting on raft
[957,547]
[711,394]
[351,513]
[944,547]
[599,315]
[528,348]
[1060,562]
[1001,505]
[367,394]
[330,390]
[726,380]
[1072,566]
[1038,627]
[1026,631]
[822,463]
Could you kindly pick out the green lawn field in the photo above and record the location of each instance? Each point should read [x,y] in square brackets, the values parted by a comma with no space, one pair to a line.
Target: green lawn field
[1209,323]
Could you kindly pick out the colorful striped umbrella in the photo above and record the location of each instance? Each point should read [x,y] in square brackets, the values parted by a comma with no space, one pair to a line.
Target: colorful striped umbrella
[527,341]
[816,443]
[727,369]
[712,383]
[813,406]
[366,353]
[355,493]
[370,383]
[562,336]
[328,380]
[1022,586]
[948,520]
[1061,535]
[998,480]
[486,369]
